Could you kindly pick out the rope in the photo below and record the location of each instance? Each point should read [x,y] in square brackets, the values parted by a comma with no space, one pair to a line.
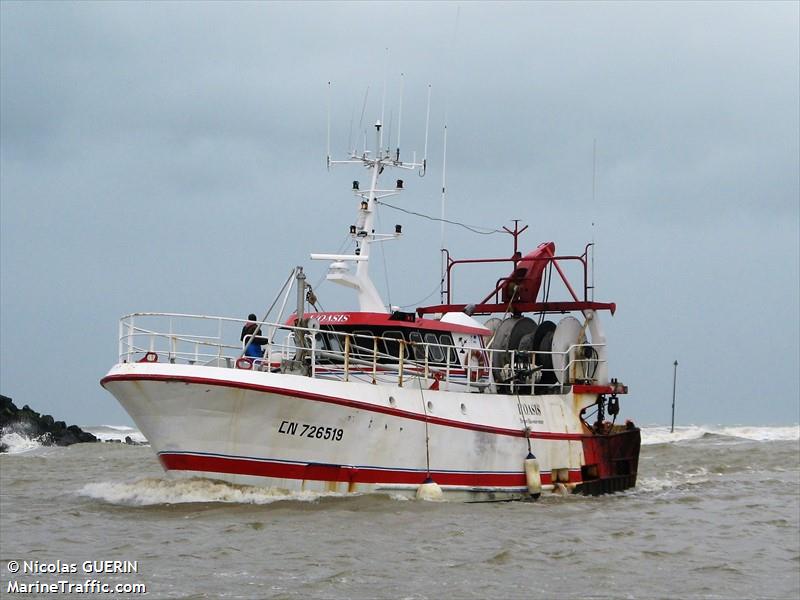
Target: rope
[525,423]
[427,432]
[472,228]
[418,302]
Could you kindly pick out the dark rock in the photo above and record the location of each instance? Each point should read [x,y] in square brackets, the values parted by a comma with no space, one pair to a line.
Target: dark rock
[87,438]
[31,424]
[67,439]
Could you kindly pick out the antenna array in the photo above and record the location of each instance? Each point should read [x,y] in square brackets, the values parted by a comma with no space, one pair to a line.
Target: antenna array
[362,232]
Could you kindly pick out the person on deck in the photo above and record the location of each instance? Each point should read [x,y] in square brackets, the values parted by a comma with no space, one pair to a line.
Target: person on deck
[251,332]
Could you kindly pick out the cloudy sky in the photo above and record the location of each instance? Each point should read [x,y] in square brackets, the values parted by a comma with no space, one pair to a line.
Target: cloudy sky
[171,157]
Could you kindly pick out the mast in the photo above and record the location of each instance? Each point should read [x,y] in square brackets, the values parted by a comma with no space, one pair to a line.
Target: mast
[363,232]
[369,299]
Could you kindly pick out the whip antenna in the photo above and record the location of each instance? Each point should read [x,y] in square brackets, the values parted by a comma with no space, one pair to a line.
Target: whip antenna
[350,147]
[427,122]
[449,60]
[383,96]
[361,121]
[328,160]
[389,134]
[594,205]
[444,199]
[399,117]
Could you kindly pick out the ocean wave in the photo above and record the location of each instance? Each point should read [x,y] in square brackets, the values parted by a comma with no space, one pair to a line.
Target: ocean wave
[154,491]
[662,435]
[108,433]
[17,443]
[673,479]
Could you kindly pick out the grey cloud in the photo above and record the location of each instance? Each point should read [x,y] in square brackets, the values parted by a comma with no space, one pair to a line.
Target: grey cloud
[152,155]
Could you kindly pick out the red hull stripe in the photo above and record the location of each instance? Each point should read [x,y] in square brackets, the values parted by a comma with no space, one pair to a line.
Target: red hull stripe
[206,463]
[543,435]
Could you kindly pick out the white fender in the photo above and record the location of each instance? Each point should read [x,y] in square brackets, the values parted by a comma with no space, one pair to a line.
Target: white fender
[429,490]
[532,476]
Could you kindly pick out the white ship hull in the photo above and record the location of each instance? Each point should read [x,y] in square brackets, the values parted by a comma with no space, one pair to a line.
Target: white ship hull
[298,433]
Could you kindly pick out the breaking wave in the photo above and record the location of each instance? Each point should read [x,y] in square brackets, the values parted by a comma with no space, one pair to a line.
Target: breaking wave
[109,433]
[662,435]
[673,479]
[17,443]
[154,491]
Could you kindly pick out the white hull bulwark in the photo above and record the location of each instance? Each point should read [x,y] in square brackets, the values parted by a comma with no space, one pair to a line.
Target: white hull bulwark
[297,433]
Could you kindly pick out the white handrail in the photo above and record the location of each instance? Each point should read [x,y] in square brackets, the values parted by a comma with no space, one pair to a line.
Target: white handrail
[352,354]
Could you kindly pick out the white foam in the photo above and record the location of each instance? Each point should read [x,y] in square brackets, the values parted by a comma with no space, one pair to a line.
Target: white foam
[153,491]
[109,433]
[662,435]
[672,479]
[762,434]
[18,443]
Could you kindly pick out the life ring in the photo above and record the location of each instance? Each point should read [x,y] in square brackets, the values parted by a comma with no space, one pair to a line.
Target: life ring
[150,357]
[481,370]
[244,363]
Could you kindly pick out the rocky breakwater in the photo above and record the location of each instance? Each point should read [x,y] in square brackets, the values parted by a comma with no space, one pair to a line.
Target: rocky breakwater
[44,428]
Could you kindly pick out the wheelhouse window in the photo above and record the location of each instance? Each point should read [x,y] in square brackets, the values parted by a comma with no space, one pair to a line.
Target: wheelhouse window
[392,344]
[363,344]
[326,340]
[434,350]
[335,342]
[447,345]
[419,349]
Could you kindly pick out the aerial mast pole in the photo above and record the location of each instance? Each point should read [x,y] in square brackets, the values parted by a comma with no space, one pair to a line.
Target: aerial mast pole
[362,232]
[674,381]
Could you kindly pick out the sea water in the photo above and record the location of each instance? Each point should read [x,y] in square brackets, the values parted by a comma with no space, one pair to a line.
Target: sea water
[715,514]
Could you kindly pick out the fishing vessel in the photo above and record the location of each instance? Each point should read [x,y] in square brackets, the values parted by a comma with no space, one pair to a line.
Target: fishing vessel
[501,399]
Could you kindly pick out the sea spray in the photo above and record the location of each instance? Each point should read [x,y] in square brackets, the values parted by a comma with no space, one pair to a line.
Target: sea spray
[154,491]
[17,443]
[662,435]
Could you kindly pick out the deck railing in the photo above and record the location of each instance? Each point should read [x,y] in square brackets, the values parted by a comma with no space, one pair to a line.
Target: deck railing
[215,341]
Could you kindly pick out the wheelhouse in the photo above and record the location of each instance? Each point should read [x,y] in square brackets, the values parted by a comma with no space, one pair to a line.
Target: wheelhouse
[395,337]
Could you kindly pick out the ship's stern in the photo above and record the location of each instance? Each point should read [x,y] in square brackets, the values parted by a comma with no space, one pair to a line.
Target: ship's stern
[612,461]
